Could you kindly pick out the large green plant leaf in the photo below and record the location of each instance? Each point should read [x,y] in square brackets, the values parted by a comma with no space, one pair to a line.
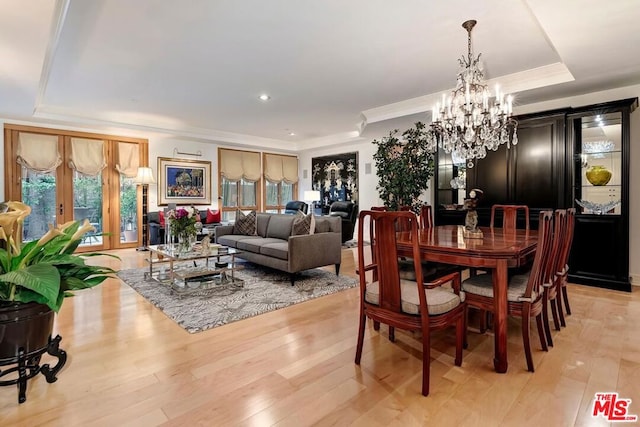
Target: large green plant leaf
[42,279]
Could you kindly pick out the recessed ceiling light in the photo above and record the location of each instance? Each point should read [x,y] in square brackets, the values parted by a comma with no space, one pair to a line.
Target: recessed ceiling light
[265,97]
[292,134]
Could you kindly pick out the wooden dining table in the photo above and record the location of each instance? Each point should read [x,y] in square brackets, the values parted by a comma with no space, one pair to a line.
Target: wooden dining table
[497,250]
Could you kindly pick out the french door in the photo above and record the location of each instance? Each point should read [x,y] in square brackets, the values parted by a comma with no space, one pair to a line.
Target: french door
[55,173]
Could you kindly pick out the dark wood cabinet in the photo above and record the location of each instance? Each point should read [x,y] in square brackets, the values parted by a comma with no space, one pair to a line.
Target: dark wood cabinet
[547,170]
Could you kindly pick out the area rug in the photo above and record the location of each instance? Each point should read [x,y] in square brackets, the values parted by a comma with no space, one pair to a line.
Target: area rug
[353,244]
[263,290]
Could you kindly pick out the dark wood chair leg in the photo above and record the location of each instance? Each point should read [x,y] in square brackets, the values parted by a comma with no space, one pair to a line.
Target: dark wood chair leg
[337,269]
[426,362]
[292,277]
[376,325]
[554,312]
[525,338]
[392,334]
[560,309]
[545,321]
[461,337]
[361,329]
[543,342]
[565,297]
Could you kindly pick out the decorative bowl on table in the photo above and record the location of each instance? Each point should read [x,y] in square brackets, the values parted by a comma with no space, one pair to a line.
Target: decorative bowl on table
[598,208]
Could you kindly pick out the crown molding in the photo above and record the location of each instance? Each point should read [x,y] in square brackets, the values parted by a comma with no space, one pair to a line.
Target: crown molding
[352,137]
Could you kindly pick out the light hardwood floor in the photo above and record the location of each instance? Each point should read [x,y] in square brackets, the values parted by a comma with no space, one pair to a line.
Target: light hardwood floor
[130,365]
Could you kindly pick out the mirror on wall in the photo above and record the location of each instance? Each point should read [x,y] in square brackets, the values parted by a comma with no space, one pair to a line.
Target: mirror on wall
[601,163]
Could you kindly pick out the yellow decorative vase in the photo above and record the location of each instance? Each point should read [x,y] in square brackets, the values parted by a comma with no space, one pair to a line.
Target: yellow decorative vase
[598,175]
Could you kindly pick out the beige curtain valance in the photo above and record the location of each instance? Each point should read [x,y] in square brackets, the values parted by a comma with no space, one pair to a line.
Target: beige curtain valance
[236,165]
[280,168]
[38,152]
[128,159]
[87,156]
[290,169]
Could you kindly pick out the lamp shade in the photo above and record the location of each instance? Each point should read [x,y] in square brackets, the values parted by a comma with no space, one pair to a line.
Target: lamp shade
[145,176]
[311,195]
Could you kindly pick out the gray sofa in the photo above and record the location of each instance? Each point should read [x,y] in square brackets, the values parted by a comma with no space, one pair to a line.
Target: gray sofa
[275,247]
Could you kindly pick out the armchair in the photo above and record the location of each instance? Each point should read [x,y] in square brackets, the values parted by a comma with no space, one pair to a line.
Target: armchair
[348,211]
[294,206]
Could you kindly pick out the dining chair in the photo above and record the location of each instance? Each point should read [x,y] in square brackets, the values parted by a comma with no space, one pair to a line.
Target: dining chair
[404,304]
[563,265]
[509,215]
[525,296]
[426,216]
[550,285]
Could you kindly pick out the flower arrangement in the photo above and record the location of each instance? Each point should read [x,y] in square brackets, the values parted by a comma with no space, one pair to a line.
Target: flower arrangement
[183,222]
[43,271]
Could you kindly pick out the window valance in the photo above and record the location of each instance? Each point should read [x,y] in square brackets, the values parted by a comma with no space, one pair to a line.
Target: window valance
[236,165]
[87,156]
[38,152]
[279,168]
[128,159]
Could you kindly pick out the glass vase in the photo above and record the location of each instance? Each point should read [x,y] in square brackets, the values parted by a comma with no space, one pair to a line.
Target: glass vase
[185,242]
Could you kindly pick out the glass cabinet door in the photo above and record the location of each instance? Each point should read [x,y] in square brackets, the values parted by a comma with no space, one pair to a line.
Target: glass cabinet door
[600,150]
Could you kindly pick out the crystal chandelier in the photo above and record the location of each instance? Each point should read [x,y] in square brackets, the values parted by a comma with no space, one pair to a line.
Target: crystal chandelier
[469,122]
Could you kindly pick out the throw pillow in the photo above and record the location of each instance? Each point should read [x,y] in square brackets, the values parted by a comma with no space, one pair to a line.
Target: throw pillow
[161,216]
[303,224]
[213,216]
[245,224]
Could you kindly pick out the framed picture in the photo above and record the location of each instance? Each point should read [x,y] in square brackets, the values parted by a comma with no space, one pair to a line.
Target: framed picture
[184,182]
[336,177]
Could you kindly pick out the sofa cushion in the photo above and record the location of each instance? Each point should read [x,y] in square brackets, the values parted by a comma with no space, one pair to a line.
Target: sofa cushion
[232,240]
[276,250]
[263,222]
[213,216]
[322,225]
[254,244]
[280,226]
[245,224]
[303,224]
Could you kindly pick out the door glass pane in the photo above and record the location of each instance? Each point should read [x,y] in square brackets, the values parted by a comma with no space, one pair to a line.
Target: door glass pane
[87,203]
[38,192]
[128,210]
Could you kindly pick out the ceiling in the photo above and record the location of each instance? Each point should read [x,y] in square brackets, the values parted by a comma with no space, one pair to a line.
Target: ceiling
[334,69]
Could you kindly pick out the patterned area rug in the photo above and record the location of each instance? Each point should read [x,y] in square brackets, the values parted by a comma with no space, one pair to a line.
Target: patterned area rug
[353,244]
[263,290]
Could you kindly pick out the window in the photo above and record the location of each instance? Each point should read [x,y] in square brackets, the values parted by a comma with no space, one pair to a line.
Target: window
[236,195]
[280,183]
[277,195]
[240,174]
[66,175]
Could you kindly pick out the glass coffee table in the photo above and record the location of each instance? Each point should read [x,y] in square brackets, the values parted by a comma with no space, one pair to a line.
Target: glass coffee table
[200,274]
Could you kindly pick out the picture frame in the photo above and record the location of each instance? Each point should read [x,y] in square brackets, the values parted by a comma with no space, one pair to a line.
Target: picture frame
[184,182]
[336,177]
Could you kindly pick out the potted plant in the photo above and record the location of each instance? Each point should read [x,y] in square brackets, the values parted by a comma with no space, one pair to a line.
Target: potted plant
[403,167]
[35,278]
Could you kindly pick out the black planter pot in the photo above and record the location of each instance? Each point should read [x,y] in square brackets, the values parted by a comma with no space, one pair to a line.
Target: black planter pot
[25,335]
[24,326]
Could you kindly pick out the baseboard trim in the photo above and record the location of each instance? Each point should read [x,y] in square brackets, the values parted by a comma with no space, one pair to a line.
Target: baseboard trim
[635,279]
